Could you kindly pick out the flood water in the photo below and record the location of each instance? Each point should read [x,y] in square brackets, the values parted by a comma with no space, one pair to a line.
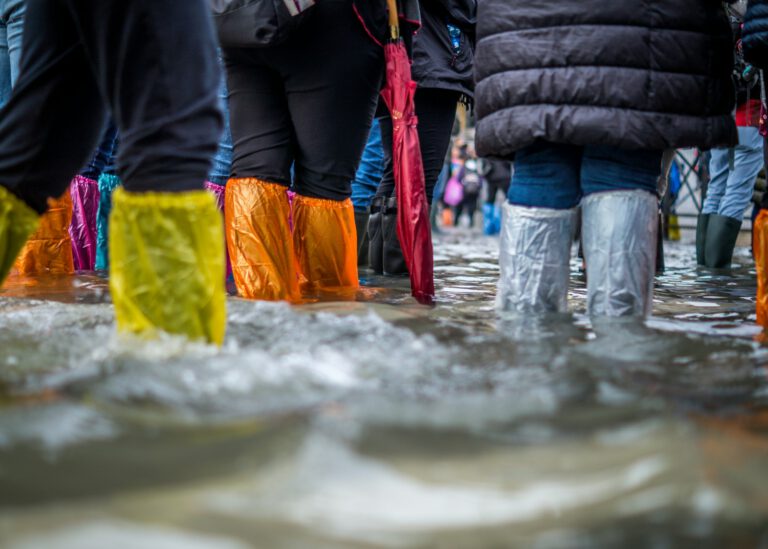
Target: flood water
[380,423]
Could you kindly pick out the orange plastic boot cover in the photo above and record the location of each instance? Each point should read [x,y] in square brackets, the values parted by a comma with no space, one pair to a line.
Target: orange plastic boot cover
[256,219]
[760,247]
[325,240]
[49,249]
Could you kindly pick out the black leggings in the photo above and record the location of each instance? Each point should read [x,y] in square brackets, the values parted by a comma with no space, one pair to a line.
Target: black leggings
[436,111]
[307,103]
[151,64]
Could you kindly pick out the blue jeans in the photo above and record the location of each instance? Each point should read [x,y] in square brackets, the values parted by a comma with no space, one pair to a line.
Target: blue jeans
[222,162]
[730,188]
[370,171]
[11,25]
[103,160]
[551,175]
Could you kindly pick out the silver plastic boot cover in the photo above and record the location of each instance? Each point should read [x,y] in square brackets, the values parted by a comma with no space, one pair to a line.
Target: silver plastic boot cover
[535,259]
[619,232]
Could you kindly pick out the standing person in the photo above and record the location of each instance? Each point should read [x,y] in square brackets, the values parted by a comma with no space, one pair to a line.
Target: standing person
[159,82]
[472,183]
[11,27]
[301,111]
[498,175]
[443,53]
[733,170]
[575,92]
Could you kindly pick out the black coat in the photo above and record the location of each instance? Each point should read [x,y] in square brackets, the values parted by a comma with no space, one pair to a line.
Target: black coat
[436,64]
[755,34]
[627,73]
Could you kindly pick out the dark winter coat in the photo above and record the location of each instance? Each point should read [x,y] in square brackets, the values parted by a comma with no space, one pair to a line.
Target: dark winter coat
[436,63]
[627,73]
[755,34]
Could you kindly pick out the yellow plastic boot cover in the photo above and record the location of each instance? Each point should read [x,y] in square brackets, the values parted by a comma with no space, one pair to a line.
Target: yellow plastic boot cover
[49,249]
[760,247]
[17,222]
[257,219]
[325,240]
[167,264]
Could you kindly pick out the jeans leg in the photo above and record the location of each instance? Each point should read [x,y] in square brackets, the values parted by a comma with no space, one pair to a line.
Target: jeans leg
[222,162]
[15,10]
[5,62]
[607,169]
[546,176]
[370,171]
[718,172]
[747,163]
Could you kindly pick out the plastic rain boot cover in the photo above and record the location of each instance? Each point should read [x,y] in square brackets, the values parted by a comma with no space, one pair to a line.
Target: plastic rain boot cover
[257,218]
[107,185]
[619,233]
[82,230]
[325,240]
[534,259]
[17,222]
[760,246]
[167,253]
[49,249]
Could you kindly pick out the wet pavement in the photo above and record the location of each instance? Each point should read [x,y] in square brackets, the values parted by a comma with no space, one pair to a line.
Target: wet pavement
[380,423]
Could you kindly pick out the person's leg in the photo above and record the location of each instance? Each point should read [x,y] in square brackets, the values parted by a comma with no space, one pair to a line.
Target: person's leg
[5,58]
[166,239]
[46,135]
[537,230]
[718,170]
[364,187]
[620,214]
[257,212]
[332,83]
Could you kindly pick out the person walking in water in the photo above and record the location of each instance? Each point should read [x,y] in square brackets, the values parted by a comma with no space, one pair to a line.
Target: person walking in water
[152,65]
[585,96]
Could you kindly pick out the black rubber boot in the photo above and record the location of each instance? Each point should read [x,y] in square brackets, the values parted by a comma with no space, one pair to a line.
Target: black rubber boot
[361,225]
[394,262]
[722,232]
[376,237]
[660,263]
[701,238]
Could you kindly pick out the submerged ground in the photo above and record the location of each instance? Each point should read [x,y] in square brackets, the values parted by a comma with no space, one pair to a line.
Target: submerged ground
[380,423]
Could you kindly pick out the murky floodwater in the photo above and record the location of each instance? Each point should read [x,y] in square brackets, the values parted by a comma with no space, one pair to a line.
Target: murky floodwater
[380,423]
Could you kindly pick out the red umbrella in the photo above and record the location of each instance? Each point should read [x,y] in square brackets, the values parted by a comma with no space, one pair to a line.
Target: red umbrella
[413,226]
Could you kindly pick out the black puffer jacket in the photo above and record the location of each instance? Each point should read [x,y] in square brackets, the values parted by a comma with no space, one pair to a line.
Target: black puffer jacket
[628,73]
[755,34]
[436,63]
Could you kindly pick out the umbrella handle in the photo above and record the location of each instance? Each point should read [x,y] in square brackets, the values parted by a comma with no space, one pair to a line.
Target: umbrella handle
[394,22]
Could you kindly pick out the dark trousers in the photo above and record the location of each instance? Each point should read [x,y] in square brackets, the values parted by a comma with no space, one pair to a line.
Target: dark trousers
[436,111]
[151,63]
[307,103]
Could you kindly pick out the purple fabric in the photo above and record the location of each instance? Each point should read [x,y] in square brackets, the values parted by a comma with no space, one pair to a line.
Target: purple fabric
[218,191]
[82,230]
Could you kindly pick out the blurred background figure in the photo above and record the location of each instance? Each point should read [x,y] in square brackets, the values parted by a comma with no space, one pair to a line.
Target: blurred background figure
[498,175]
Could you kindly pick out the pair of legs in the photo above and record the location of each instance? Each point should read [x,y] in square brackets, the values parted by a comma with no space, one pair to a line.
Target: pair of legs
[732,181]
[436,112]
[301,112]
[81,60]
[617,192]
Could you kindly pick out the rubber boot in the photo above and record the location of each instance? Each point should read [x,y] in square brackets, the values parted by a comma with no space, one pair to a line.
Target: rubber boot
[83,230]
[257,219]
[17,222]
[619,233]
[760,247]
[167,273]
[534,259]
[325,243]
[489,225]
[376,237]
[701,239]
[394,261]
[361,226]
[722,232]
[49,248]
[107,185]
[660,263]
[219,193]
